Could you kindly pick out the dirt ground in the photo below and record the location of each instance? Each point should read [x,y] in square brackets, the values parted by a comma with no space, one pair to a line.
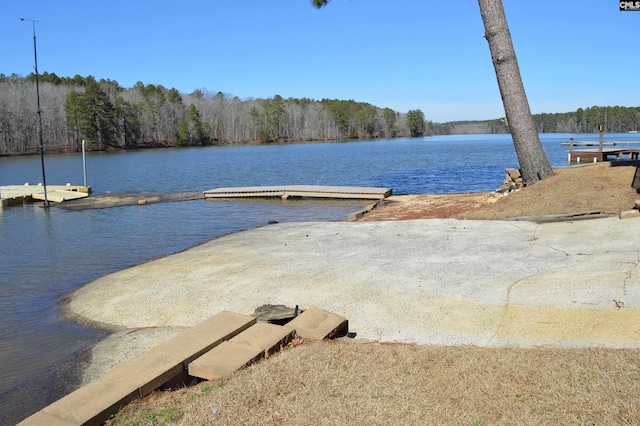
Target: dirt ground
[599,187]
[348,383]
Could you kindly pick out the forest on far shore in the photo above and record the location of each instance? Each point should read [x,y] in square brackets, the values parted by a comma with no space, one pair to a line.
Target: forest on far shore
[108,116]
[614,119]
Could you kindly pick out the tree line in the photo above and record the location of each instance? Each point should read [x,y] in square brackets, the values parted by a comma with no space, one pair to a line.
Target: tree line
[614,119]
[109,116]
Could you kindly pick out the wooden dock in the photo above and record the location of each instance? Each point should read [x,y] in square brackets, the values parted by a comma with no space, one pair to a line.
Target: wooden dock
[19,194]
[312,191]
[598,155]
[596,143]
[602,153]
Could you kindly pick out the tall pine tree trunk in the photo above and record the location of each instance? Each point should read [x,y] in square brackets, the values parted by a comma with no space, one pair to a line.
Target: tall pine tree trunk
[534,163]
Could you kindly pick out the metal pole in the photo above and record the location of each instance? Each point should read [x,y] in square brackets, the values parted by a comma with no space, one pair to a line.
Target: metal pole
[601,142]
[35,59]
[84,165]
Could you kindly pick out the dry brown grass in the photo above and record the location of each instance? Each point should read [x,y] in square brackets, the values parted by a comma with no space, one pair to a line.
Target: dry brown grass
[346,383]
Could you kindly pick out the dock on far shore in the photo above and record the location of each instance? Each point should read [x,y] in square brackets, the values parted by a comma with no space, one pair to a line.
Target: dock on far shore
[312,191]
[601,153]
[27,193]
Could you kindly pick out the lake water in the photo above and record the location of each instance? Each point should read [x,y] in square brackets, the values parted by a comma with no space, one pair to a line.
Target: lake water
[47,253]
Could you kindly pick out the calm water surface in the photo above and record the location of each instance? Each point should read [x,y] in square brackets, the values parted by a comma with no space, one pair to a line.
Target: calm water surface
[47,253]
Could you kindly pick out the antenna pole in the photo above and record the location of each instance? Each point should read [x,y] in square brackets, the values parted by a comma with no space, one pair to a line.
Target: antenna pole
[35,59]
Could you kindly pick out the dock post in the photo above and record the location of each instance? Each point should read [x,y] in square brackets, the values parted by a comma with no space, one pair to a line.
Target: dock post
[570,150]
[84,164]
[601,139]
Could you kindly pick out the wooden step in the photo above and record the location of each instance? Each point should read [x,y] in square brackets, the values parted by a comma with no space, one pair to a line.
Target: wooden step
[317,324]
[224,359]
[210,350]
[256,342]
[269,337]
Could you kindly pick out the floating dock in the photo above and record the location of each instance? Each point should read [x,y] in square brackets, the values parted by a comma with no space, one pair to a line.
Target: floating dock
[19,194]
[312,191]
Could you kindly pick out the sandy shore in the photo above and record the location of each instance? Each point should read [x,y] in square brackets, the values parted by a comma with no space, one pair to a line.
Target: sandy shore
[438,281]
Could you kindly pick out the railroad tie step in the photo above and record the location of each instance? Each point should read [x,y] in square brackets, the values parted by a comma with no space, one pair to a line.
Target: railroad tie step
[253,344]
[269,337]
[224,359]
[263,339]
[211,349]
[318,324]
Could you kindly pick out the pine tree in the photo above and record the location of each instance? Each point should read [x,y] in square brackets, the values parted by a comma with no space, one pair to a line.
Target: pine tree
[533,160]
[92,116]
[416,123]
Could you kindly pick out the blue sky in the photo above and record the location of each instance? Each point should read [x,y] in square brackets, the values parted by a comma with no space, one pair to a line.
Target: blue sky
[402,54]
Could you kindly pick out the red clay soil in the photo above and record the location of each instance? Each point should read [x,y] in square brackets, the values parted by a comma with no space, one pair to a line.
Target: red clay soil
[602,187]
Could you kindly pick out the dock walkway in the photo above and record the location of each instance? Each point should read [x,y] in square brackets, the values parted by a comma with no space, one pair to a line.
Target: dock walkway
[284,192]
